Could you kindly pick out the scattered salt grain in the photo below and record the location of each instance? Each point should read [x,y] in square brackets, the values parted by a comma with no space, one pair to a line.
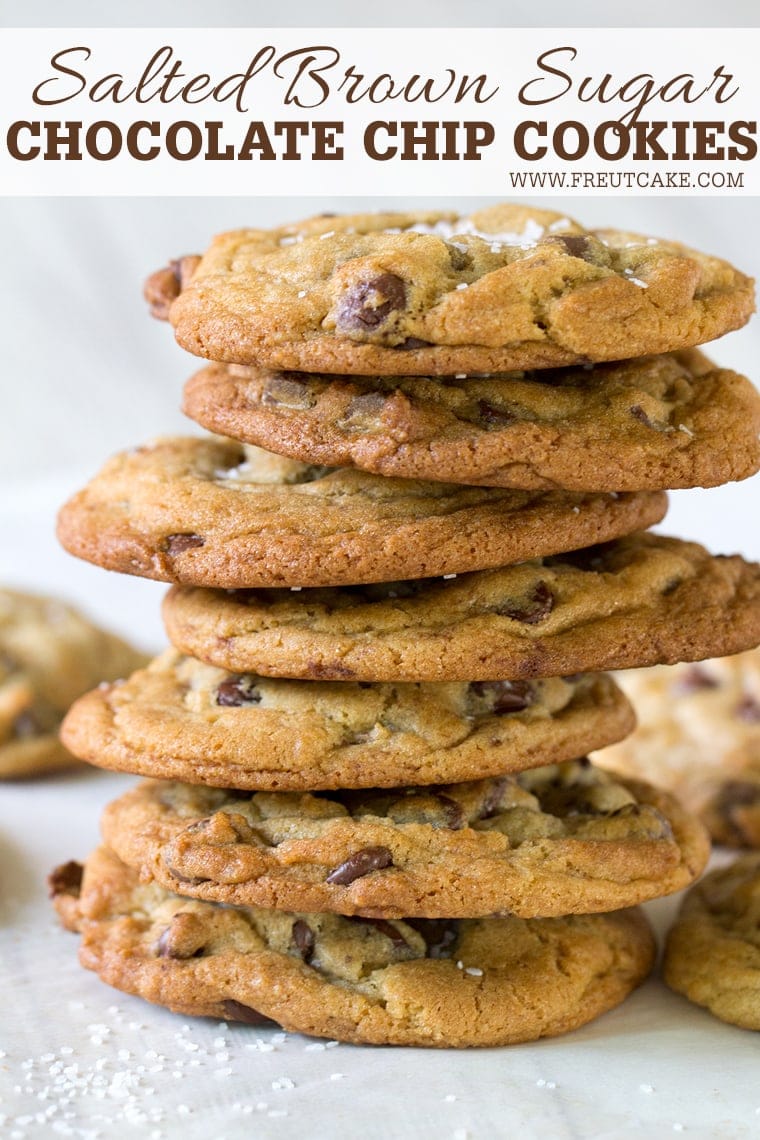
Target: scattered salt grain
[337,1076]
[686,430]
[646,1088]
[449,1098]
[462,285]
[283,1083]
[302,293]
[474,972]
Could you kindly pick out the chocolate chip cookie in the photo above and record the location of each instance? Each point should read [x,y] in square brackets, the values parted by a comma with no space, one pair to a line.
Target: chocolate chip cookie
[713,951]
[492,981]
[181,719]
[562,839]
[430,293]
[641,600]
[49,655]
[211,512]
[655,422]
[699,737]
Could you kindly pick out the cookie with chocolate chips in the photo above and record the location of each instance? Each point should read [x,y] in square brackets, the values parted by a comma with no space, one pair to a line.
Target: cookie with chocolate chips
[49,655]
[656,422]
[491,981]
[699,737]
[562,839]
[210,512]
[429,293]
[712,955]
[181,719]
[641,600]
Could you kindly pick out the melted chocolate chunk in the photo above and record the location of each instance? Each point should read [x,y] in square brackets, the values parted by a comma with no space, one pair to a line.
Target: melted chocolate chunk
[386,928]
[495,417]
[534,609]
[639,414]
[577,245]
[493,798]
[440,934]
[506,696]
[287,391]
[238,691]
[65,879]
[454,813]
[303,939]
[177,543]
[368,304]
[236,1011]
[748,710]
[359,864]
[411,343]
[693,680]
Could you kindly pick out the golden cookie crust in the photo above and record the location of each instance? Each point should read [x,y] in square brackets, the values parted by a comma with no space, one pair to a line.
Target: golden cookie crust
[712,955]
[563,839]
[49,655]
[431,293]
[699,737]
[494,981]
[212,512]
[641,600]
[181,719]
[658,422]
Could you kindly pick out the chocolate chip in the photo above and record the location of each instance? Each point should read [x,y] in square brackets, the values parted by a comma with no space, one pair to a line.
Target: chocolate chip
[65,879]
[534,609]
[730,814]
[505,696]
[359,864]
[237,691]
[177,543]
[236,1011]
[454,813]
[459,258]
[748,710]
[363,413]
[692,681]
[439,934]
[493,798]
[303,939]
[386,928]
[368,304]
[496,417]
[286,392]
[639,414]
[576,245]
[411,343]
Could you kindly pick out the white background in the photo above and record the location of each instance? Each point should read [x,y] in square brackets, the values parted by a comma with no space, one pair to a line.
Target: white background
[85,371]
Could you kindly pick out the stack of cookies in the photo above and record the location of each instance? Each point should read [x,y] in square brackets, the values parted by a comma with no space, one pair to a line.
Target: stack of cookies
[368,813]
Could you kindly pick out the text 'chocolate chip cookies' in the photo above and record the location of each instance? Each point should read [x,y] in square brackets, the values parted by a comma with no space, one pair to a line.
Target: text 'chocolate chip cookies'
[368,814]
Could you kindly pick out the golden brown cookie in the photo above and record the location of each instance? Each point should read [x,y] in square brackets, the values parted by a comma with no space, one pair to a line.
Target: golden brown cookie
[641,600]
[656,422]
[493,981]
[713,950]
[49,655]
[181,719]
[699,737]
[210,512]
[563,839]
[430,293]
